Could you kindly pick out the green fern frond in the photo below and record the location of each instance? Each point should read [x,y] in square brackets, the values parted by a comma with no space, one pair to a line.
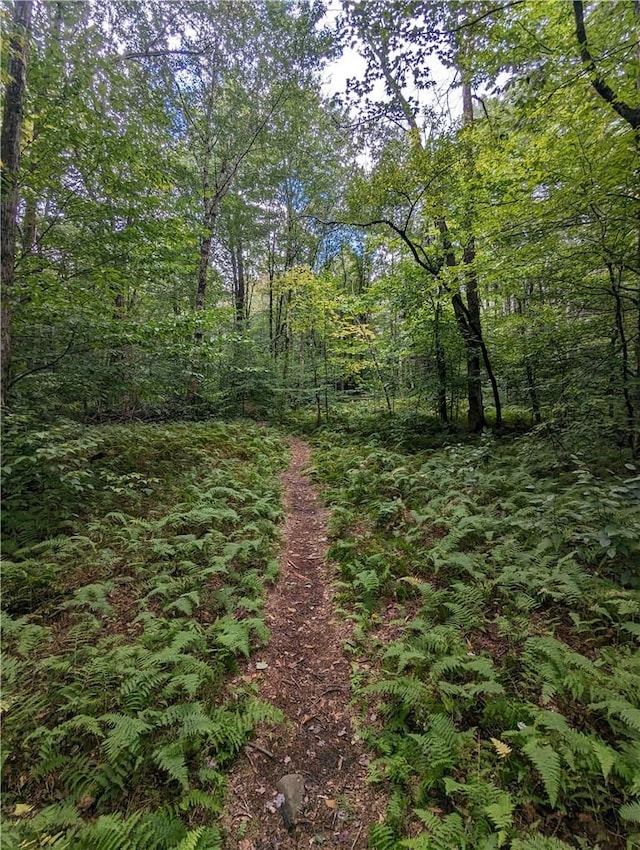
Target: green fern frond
[185,604]
[233,635]
[201,838]
[382,837]
[500,813]
[171,758]
[196,798]
[631,812]
[547,762]
[125,734]
[409,692]
[627,712]
[605,755]
[442,833]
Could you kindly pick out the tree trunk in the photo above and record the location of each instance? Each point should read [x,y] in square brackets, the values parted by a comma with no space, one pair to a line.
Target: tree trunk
[624,352]
[240,289]
[471,277]
[12,118]
[471,333]
[441,367]
[475,415]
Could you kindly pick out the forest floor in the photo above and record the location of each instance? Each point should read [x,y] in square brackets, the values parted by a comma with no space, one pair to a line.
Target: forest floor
[305,673]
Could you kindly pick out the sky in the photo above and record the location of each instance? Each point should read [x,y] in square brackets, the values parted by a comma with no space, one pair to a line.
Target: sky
[445,98]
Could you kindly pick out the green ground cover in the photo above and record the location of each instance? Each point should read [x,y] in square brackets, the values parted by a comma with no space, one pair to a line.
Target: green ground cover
[505,707]
[135,562]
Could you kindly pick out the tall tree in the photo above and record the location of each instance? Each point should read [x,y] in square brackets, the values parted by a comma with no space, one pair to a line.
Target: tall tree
[12,120]
[390,44]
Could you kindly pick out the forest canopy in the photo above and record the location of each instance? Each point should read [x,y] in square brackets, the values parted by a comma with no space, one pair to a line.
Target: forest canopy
[195,223]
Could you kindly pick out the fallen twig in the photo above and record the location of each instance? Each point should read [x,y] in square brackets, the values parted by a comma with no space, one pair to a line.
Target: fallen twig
[355,840]
[260,749]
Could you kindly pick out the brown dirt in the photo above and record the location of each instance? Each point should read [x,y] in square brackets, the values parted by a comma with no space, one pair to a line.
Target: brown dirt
[307,677]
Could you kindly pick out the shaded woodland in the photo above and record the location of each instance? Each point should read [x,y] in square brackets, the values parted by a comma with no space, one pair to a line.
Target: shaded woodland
[433,274]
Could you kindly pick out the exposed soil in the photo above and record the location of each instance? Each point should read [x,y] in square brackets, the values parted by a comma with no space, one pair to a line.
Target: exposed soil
[304,672]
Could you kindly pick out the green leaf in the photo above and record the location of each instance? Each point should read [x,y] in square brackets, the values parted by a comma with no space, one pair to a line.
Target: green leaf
[547,763]
[500,813]
[631,811]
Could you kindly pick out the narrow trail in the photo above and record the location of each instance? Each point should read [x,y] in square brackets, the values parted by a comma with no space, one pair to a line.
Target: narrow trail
[305,673]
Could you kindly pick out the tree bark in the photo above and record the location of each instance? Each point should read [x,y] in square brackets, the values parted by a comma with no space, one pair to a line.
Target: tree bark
[12,119]
[471,281]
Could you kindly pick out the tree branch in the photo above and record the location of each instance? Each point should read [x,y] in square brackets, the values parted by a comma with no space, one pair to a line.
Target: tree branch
[155,54]
[44,366]
[484,15]
[630,114]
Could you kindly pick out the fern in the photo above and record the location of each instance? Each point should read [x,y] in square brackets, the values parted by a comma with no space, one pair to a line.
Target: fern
[500,813]
[171,759]
[547,763]
[125,735]
[627,712]
[201,838]
[382,837]
[442,833]
[409,692]
[233,635]
[631,812]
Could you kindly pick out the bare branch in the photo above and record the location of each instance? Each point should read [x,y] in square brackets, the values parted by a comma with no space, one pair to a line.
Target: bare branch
[156,54]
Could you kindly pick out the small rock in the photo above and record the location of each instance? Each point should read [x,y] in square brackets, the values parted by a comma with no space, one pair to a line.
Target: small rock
[291,787]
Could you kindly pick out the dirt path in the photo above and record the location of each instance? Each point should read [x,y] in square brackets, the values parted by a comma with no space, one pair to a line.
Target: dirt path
[307,677]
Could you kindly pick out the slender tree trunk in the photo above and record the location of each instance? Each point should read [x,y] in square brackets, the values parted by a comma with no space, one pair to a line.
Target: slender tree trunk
[624,351]
[12,119]
[241,289]
[29,226]
[203,267]
[272,275]
[469,332]
[471,277]
[441,366]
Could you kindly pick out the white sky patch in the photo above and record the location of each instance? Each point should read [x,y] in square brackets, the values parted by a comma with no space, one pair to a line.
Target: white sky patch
[444,98]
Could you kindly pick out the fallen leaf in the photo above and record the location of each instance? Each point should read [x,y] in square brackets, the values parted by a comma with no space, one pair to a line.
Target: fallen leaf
[261,665]
[330,804]
[22,809]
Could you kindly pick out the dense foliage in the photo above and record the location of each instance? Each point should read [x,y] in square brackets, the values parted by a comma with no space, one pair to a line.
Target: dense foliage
[498,585]
[136,559]
[201,224]
[196,224]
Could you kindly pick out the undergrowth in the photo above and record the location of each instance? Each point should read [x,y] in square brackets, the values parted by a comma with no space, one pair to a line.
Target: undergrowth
[497,582]
[135,561]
